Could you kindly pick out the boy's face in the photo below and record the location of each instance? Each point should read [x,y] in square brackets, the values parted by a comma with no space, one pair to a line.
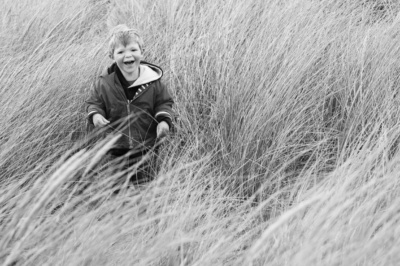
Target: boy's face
[128,58]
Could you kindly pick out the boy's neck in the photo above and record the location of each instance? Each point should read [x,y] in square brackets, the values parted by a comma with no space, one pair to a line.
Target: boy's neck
[124,82]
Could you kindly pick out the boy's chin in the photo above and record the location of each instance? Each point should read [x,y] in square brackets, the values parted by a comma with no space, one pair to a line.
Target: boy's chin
[131,72]
[130,68]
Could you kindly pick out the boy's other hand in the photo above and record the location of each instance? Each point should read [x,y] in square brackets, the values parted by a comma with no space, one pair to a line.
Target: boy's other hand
[100,121]
[162,129]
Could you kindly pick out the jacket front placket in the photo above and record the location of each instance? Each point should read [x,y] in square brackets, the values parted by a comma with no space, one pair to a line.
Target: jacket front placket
[121,91]
[128,104]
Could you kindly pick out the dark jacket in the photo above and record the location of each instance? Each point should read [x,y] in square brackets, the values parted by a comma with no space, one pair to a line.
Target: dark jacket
[151,102]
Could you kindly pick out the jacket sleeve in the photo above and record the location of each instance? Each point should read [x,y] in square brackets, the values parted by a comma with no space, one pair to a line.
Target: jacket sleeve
[95,103]
[163,104]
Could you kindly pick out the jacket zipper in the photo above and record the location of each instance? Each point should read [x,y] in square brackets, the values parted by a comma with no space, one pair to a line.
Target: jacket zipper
[129,124]
[128,107]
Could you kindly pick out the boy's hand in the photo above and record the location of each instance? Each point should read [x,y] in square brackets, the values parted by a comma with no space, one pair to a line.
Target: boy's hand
[162,129]
[99,120]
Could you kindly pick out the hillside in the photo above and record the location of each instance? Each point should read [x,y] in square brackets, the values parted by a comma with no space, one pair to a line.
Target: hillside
[286,144]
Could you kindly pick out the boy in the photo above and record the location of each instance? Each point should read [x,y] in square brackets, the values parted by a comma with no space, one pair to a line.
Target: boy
[129,98]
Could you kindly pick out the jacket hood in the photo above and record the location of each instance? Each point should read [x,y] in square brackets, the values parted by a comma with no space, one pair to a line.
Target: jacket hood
[148,73]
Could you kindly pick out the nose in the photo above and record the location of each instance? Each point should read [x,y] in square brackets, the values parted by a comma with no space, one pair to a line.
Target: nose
[129,54]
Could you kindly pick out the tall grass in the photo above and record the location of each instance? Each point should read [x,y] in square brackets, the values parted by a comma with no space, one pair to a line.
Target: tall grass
[285,153]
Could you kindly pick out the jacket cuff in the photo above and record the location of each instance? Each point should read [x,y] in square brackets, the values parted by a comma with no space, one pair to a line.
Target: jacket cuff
[90,116]
[167,120]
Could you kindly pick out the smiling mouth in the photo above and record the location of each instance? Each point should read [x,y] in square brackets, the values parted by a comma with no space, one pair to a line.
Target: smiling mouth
[129,62]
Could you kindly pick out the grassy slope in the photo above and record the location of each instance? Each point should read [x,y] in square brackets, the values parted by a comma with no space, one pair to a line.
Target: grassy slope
[285,153]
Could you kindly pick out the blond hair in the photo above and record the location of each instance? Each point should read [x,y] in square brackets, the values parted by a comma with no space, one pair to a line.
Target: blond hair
[124,35]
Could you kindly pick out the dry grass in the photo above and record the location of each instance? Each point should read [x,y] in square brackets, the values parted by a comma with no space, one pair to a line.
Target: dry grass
[286,150]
